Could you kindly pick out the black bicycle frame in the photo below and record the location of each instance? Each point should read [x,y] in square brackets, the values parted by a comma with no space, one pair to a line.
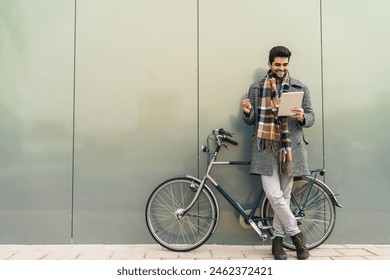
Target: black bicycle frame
[231,201]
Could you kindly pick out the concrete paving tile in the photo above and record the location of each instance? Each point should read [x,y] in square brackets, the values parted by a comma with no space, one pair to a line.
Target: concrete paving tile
[256,254]
[29,255]
[320,252]
[93,257]
[5,255]
[355,246]
[265,248]
[324,258]
[196,255]
[32,252]
[61,256]
[331,246]
[127,255]
[160,254]
[348,258]
[379,251]
[85,248]
[355,252]
[205,252]
[127,252]
[89,252]
[377,257]
[72,252]
[246,252]
[226,253]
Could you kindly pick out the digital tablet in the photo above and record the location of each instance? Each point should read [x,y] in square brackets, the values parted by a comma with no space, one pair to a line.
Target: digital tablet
[288,101]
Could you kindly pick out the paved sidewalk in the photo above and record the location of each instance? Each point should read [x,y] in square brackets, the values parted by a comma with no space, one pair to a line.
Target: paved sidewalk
[206,252]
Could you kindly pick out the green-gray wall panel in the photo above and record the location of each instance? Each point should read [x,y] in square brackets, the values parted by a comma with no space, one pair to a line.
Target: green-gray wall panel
[36,85]
[356,99]
[235,38]
[136,111]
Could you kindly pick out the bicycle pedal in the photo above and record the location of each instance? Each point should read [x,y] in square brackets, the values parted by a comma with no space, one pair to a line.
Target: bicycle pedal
[262,226]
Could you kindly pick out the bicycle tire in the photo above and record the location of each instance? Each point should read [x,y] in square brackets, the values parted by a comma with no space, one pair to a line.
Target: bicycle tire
[189,232]
[314,210]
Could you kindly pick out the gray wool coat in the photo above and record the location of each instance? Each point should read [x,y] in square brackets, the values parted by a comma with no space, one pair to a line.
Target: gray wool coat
[263,161]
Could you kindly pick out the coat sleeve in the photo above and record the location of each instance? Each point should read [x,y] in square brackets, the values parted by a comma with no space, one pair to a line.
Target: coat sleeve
[308,110]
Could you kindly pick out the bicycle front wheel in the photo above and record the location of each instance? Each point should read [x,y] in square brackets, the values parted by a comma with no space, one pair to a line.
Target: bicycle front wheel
[181,233]
[314,210]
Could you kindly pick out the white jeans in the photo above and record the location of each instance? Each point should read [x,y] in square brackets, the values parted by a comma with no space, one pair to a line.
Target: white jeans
[278,191]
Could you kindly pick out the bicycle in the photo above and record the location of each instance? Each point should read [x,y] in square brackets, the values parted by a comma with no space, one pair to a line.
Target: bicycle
[183,212]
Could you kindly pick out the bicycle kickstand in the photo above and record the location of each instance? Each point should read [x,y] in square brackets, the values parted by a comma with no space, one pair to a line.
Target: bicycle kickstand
[263,236]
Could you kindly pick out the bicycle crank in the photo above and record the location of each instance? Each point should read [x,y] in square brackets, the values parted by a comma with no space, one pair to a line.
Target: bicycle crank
[243,221]
[263,236]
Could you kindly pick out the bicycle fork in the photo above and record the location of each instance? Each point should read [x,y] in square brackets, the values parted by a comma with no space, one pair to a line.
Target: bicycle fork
[180,213]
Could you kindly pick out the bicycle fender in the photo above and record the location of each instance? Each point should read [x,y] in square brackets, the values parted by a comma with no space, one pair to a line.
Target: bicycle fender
[332,195]
[212,194]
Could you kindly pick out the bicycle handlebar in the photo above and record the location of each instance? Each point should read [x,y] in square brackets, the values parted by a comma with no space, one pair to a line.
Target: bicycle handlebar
[225,132]
[225,136]
[226,139]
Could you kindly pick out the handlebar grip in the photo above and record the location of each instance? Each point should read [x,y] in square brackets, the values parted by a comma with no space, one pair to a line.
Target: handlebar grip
[226,139]
[224,132]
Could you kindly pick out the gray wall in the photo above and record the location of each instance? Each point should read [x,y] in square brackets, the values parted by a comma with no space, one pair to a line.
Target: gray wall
[102,100]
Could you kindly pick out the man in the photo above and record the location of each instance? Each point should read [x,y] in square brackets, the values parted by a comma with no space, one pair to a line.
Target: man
[279,148]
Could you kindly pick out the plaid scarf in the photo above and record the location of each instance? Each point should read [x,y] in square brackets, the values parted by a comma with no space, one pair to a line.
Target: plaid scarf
[272,130]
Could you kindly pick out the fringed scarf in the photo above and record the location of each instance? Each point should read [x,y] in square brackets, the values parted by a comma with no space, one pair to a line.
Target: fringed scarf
[272,130]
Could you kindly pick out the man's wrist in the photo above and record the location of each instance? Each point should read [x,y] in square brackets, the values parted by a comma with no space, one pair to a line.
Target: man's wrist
[302,122]
[248,114]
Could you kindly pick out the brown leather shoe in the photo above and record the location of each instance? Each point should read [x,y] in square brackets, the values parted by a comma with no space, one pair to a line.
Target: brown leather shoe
[277,248]
[299,242]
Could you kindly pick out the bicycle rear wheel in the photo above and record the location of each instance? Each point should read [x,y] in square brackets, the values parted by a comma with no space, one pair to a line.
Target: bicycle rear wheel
[188,232]
[314,210]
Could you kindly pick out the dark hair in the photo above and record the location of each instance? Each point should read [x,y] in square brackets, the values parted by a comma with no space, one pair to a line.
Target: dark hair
[278,51]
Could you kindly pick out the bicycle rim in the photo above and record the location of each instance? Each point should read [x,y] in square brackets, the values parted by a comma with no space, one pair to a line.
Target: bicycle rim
[193,229]
[314,210]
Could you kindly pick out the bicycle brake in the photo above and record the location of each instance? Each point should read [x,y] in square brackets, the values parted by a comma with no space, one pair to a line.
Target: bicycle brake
[194,187]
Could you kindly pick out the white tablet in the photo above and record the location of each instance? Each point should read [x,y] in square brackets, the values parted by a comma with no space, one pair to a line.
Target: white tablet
[288,101]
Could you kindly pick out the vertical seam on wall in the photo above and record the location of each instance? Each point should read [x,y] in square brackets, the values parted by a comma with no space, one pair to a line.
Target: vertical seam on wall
[197,86]
[322,89]
[73,123]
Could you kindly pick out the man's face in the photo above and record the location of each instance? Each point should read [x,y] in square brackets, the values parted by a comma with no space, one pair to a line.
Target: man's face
[279,67]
